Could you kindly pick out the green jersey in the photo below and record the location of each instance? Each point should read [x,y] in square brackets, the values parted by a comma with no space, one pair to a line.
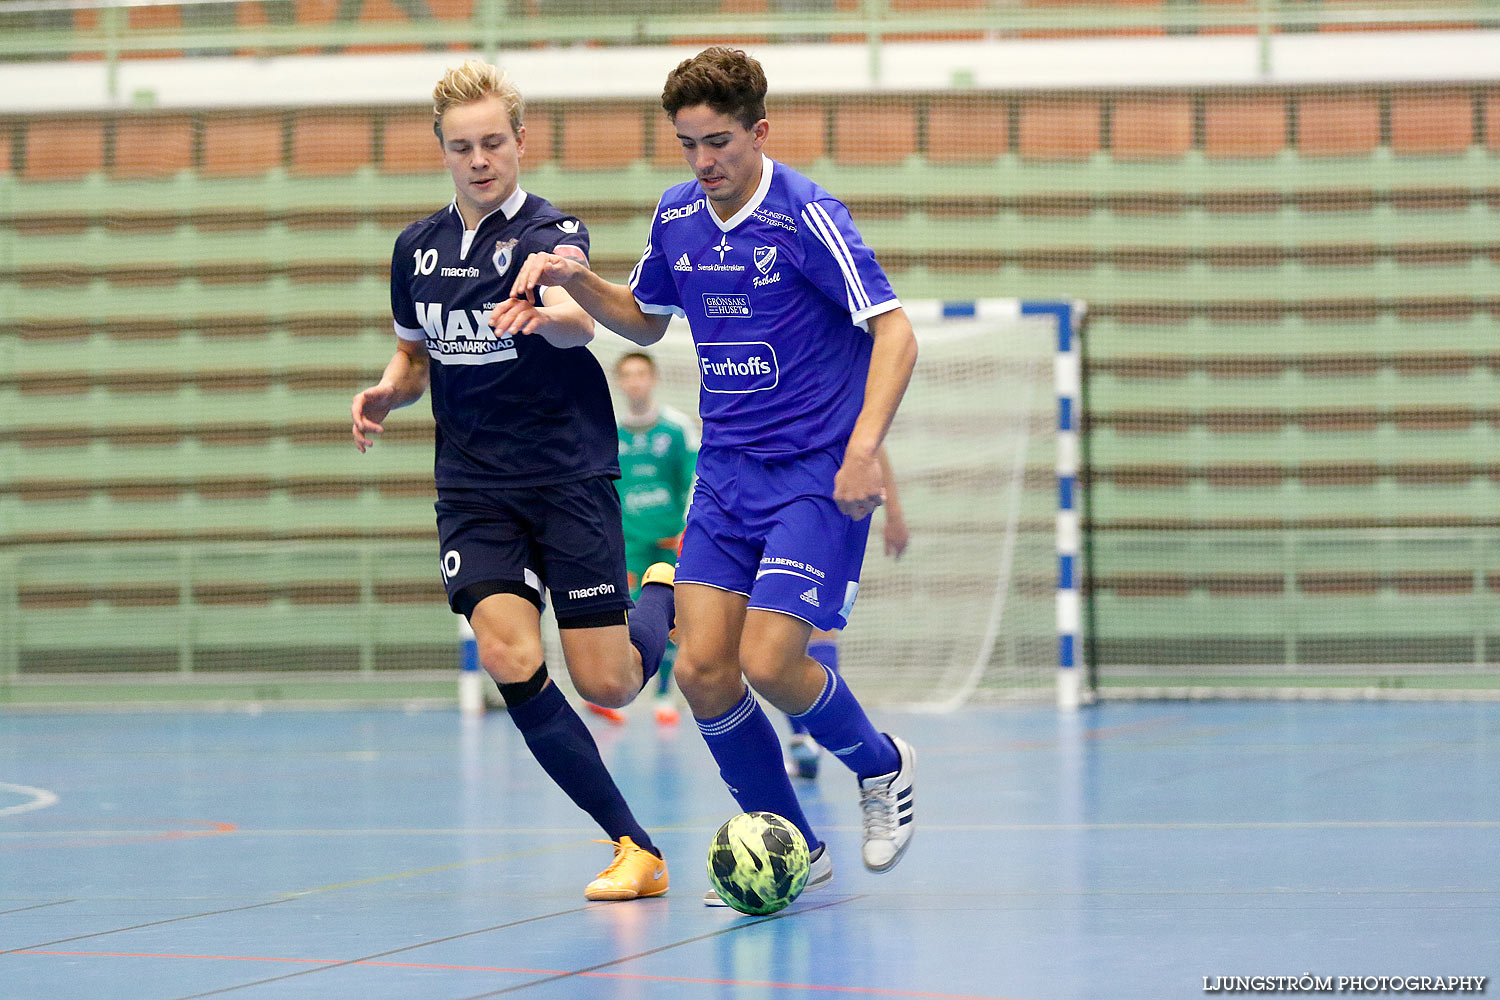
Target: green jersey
[656,477]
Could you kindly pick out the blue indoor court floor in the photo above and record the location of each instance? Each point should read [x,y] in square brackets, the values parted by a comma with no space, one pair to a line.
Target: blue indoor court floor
[1129,850]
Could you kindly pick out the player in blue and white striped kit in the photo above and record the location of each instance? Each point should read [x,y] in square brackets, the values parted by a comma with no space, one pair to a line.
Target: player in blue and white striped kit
[804,353]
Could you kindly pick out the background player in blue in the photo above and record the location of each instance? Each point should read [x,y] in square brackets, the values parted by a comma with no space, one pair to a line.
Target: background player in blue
[804,353]
[525,456]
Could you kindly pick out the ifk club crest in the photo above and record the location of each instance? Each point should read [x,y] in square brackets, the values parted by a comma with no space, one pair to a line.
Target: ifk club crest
[765,259]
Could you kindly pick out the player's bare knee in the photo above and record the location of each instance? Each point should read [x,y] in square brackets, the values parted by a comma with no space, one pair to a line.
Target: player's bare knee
[509,662]
[765,673]
[703,676]
[606,688]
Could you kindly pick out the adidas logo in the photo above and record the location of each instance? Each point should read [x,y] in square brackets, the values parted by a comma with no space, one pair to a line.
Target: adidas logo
[810,595]
[683,264]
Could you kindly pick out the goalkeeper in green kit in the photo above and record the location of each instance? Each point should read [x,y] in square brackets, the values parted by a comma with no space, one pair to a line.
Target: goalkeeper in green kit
[658,452]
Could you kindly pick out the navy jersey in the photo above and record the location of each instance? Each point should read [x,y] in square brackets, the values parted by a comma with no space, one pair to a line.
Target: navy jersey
[777,299]
[510,411]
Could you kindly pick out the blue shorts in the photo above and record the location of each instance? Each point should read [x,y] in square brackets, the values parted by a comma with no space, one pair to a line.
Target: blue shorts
[565,538]
[770,530]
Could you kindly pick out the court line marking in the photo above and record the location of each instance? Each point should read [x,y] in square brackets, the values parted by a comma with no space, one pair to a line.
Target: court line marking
[592,971]
[394,951]
[38,906]
[115,838]
[413,873]
[136,927]
[41,798]
[1299,824]
[556,973]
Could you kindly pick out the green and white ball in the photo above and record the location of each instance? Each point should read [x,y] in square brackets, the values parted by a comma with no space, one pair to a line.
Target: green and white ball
[758,862]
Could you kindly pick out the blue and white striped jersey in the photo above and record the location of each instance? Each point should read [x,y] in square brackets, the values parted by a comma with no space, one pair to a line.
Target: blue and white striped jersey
[510,411]
[777,299]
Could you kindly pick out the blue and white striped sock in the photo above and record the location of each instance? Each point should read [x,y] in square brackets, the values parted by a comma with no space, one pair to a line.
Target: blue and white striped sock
[744,744]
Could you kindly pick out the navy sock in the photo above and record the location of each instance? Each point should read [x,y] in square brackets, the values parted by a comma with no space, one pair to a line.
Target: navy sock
[565,748]
[839,724]
[826,653]
[744,744]
[650,622]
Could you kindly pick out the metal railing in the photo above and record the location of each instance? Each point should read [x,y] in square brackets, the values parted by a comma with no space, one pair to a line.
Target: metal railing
[49,29]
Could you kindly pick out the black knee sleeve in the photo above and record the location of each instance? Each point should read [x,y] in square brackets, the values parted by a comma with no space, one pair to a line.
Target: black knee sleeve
[524,691]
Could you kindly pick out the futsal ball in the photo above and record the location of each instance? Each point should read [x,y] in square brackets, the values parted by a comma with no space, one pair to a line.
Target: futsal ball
[758,862]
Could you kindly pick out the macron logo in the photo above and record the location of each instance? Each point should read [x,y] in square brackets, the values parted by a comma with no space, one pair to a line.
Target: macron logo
[683,264]
[810,595]
[603,588]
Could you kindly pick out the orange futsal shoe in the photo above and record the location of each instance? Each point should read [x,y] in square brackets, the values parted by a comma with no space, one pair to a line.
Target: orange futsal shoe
[635,873]
[662,572]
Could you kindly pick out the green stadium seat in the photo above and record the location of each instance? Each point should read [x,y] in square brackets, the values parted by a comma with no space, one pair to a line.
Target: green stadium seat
[408,146]
[330,142]
[1151,128]
[967,129]
[666,148]
[602,137]
[1428,123]
[241,144]
[1058,129]
[151,147]
[166,18]
[867,132]
[1346,124]
[1492,115]
[541,136]
[382,12]
[799,134]
[1244,126]
[63,148]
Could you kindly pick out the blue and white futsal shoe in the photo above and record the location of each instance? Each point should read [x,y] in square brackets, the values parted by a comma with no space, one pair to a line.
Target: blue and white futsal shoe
[889,808]
[802,757]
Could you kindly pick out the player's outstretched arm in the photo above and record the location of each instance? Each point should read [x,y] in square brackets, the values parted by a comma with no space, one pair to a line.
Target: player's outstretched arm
[404,381]
[611,304]
[859,486]
[561,321]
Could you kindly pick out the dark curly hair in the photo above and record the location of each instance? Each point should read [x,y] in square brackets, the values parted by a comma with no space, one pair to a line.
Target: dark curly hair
[727,80]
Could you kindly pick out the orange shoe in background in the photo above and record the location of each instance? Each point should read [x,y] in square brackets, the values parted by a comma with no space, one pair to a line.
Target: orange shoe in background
[614,716]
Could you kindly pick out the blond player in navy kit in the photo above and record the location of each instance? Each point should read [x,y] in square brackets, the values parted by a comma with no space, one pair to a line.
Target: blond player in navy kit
[526,456]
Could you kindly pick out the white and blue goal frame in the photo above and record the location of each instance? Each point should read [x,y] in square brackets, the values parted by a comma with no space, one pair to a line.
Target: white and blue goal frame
[1067,318]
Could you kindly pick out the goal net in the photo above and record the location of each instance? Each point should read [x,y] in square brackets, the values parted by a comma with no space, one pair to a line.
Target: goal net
[968,610]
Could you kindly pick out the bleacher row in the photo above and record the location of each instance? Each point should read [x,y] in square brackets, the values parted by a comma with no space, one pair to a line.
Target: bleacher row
[856,132]
[1293,328]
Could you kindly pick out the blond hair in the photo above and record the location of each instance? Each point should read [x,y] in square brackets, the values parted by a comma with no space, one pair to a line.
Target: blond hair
[474,81]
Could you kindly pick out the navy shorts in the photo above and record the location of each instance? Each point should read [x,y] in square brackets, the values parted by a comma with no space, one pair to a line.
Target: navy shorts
[564,538]
[770,530]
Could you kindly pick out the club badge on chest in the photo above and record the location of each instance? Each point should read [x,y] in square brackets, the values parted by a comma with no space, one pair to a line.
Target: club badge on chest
[504,250]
